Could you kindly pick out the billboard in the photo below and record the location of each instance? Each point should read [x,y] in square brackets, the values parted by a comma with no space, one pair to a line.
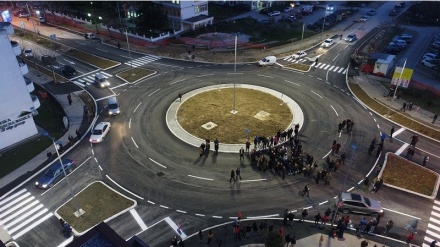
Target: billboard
[401,78]
[6,16]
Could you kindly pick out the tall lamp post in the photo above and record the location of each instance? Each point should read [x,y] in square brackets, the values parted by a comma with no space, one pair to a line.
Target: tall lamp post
[128,47]
[397,86]
[78,211]
[353,149]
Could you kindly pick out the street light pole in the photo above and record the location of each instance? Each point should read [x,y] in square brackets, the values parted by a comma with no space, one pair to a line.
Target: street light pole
[234,111]
[353,148]
[323,23]
[397,86]
[78,211]
[129,53]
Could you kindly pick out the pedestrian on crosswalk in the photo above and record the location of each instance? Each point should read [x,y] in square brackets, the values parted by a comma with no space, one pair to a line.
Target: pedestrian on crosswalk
[433,243]
[388,227]
[391,134]
[232,176]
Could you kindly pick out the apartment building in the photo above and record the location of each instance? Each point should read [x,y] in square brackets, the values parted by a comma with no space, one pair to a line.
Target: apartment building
[17,105]
[187,15]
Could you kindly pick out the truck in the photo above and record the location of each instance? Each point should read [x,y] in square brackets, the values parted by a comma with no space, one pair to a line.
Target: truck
[306,10]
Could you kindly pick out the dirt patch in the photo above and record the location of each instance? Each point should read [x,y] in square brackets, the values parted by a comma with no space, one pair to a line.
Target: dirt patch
[408,175]
[215,106]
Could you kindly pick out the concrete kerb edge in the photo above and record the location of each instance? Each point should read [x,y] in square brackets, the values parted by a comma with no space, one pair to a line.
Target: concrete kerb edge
[437,183]
[106,220]
[272,92]
[348,86]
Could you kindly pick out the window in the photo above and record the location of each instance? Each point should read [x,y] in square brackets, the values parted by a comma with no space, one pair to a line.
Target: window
[200,8]
[175,1]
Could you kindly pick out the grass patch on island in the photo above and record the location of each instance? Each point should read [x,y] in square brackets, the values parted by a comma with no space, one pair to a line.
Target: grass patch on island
[298,66]
[40,40]
[135,74]
[396,116]
[99,62]
[99,203]
[408,175]
[215,106]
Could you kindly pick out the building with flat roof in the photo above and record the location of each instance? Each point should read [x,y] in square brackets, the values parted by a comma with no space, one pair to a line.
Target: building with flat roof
[187,15]
[17,105]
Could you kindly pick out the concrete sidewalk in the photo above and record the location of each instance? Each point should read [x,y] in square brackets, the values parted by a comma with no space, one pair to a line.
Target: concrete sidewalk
[74,114]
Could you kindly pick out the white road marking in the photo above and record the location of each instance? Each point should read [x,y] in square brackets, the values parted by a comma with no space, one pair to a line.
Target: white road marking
[217,217]
[308,207]
[254,180]
[157,163]
[327,154]
[180,211]
[319,79]
[137,107]
[317,94]
[4,213]
[20,212]
[352,188]
[292,82]
[101,50]
[129,123]
[401,149]
[323,202]
[340,70]
[66,242]
[374,120]
[138,219]
[32,226]
[262,216]
[151,202]
[334,110]
[176,81]
[153,92]
[100,167]
[200,215]
[12,197]
[402,213]
[175,227]
[234,73]
[162,206]
[335,58]
[210,179]
[204,75]
[134,142]
[265,76]
[398,131]
[124,188]
[15,201]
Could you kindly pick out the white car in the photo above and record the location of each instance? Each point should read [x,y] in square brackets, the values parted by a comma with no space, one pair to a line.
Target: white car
[327,43]
[299,54]
[99,132]
[431,63]
[364,18]
[431,56]
[274,13]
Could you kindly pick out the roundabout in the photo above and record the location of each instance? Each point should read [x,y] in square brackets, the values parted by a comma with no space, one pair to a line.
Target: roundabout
[260,111]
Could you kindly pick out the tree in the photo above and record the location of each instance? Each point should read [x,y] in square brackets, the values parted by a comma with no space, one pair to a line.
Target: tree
[151,17]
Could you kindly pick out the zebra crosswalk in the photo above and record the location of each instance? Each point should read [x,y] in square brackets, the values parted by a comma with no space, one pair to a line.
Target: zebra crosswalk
[89,79]
[20,212]
[433,230]
[323,66]
[138,62]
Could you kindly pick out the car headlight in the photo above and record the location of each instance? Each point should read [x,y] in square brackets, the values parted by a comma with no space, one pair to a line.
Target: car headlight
[44,185]
[36,183]
[117,111]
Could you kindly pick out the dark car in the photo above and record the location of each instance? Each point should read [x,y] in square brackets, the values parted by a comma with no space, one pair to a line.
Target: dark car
[55,173]
[264,11]
[392,50]
[286,20]
[68,70]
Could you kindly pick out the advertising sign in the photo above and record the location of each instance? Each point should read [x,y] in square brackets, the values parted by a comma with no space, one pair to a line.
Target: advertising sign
[401,78]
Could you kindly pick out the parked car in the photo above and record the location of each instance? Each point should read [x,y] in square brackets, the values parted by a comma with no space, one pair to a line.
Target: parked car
[392,50]
[299,54]
[364,18]
[406,37]
[99,132]
[287,9]
[431,63]
[68,70]
[28,52]
[436,44]
[431,56]
[400,41]
[274,13]
[55,173]
[372,12]
[351,37]
[393,12]
[313,28]
[24,14]
[327,43]
[400,46]
[264,11]
[354,203]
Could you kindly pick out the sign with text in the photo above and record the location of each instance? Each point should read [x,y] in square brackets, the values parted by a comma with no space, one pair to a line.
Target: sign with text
[401,78]
[9,124]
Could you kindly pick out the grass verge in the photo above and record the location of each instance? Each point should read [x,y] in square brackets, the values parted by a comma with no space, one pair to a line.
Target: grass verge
[135,74]
[299,66]
[46,71]
[37,39]
[215,106]
[400,118]
[99,203]
[408,175]
[99,62]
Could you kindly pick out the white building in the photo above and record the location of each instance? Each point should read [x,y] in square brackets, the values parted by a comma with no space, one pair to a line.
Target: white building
[17,105]
[187,15]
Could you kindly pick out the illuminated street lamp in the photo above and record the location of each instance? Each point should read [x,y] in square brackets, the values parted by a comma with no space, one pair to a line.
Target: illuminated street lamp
[78,211]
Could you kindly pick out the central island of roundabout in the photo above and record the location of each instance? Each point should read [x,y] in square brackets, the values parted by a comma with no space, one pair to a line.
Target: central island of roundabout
[231,114]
